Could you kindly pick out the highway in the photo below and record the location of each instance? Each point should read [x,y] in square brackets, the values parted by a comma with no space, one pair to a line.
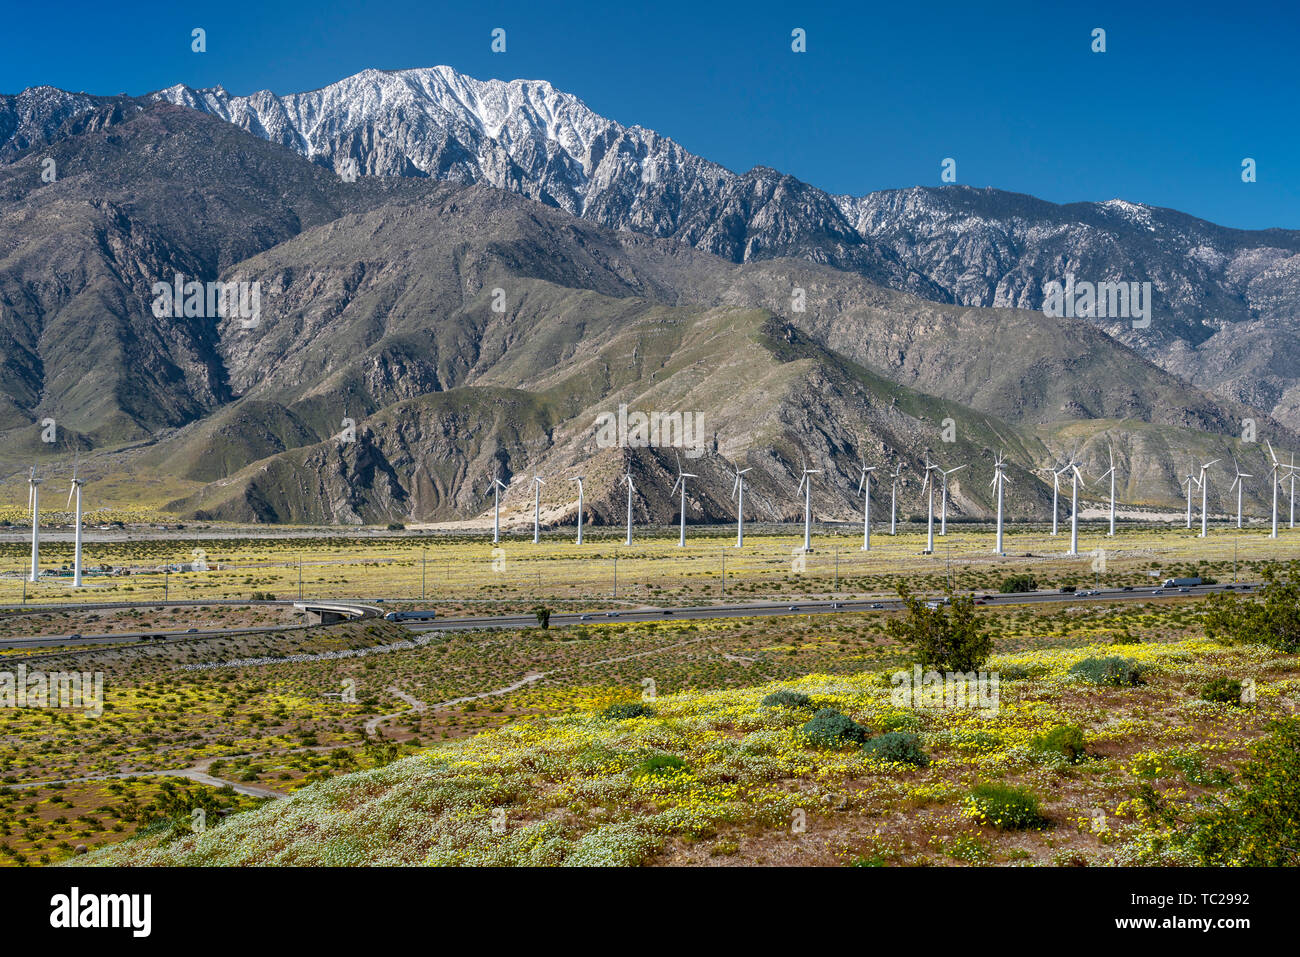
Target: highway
[763,609]
[756,609]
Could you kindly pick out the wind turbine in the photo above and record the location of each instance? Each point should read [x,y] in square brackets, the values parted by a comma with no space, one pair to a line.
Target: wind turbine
[805,486]
[34,500]
[1056,484]
[76,551]
[1111,472]
[1056,490]
[1204,483]
[497,488]
[578,479]
[1239,485]
[893,500]
[738,493]
[681,480]
[1277,467]
[929,521]
[864,489]
[628,479]
[999,479]
[538,482]
[1076,479]
[943,501]
[1190,482]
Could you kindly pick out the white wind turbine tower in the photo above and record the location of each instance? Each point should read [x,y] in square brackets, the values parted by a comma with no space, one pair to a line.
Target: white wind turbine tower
[738,493]
[578,479]
[1190,482]
[929,522]
[1056,490]
[497,488]
[805,486]
[1277,480]
[628,479]
[538,482]
[681,480]
[76,550]
[34,500]
[864,489]
[999,479]
[1204,483]
[1238,484]
[1111,472]
[893,500]
[1076,479]
[943,500]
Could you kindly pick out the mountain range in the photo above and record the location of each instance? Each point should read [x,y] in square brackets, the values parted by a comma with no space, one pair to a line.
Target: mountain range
[506,266]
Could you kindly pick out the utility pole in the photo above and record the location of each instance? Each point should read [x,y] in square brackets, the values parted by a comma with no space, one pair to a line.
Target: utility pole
[166,576]
[300,579]
[616,574]
[837,572]
[724,571]
[422,556]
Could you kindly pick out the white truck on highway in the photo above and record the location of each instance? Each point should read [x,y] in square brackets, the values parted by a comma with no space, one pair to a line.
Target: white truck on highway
[1181,582]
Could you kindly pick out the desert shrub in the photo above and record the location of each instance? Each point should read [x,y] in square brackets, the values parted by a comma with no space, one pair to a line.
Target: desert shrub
[829,728]
[1257,824]
[396,526]
[1115,671]
[787,699]
[1015,671]
[627,709]
[899,721]
[1005,807]
[1222,690]
[1272,620]
[1018,583]
[941,638]
[898,747]
[659,764]
[543,616]
[1065,740]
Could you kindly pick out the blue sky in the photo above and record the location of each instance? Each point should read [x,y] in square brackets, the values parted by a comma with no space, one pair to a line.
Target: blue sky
[1011,91]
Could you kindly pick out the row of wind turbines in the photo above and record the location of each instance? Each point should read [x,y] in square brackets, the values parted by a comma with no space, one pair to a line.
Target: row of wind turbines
[935,476]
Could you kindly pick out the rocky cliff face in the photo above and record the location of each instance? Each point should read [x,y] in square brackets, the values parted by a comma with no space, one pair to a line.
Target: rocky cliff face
[1226,303]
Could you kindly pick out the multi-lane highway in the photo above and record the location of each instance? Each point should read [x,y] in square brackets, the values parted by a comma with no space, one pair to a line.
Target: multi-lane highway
[756,609]
[839,606]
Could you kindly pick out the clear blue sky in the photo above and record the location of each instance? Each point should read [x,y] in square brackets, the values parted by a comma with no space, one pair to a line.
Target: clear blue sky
[1012,91]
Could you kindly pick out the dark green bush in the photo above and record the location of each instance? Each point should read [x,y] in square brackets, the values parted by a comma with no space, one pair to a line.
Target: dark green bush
[1222,690]
[627,709]
[1005,807]
[659,764]
[1272,620]
[1065,740]
[942,638]
[1115,671]
[829,728]
[1257,826]
[898,747]
[787,699]
[1018,583]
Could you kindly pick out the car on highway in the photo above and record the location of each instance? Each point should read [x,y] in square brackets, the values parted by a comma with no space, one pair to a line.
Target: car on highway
[584,618]
[191,631]
[794,607]
[876,604]
[611,614]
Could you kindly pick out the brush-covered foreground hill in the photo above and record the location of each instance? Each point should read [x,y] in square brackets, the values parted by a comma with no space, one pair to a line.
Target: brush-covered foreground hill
[721,777]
